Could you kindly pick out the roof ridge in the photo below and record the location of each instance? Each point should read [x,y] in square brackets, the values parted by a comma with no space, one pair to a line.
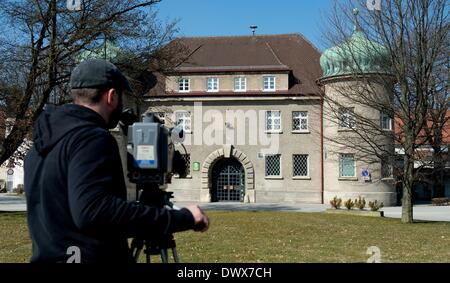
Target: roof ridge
[230,36]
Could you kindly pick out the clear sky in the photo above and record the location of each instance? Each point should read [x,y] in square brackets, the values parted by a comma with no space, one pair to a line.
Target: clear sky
[234,17]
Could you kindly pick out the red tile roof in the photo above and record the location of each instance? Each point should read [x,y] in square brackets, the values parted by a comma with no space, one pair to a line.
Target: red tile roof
[421,140]
[285,53]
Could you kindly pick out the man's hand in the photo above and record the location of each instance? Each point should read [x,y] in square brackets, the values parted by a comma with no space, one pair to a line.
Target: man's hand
[201,220]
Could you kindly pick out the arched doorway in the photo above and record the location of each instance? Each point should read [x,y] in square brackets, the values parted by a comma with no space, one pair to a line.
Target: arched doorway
[228,180]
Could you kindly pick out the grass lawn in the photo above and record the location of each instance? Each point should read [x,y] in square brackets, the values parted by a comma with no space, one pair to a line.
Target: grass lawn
[281,237]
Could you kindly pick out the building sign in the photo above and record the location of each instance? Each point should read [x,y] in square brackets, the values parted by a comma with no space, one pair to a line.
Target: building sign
[196,166]
[365,175]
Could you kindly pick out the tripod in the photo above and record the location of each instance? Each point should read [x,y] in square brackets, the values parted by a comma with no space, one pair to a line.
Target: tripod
[150,194]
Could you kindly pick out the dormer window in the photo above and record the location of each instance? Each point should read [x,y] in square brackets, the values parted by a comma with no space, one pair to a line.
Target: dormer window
[269,83]
[183,85]
[212,84]
[240,84]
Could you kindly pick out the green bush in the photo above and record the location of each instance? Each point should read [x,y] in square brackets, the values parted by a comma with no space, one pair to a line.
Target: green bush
[19,189]
[336,202]
[360,203]
[349,204]
[375,205]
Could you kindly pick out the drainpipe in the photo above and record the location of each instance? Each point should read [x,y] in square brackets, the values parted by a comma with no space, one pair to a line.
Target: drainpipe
[321,149]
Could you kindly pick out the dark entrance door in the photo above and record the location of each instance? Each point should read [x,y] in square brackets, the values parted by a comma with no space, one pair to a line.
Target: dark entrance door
[228,181]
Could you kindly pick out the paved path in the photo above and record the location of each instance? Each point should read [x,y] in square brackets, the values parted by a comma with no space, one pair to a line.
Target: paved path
[421,212]
[11,202]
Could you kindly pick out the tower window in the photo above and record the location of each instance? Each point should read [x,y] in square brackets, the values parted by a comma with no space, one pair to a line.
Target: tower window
[386,122]
[347,167]
[347,118]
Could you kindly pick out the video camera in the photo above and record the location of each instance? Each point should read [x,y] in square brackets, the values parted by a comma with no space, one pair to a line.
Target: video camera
[151,162]
[151,154]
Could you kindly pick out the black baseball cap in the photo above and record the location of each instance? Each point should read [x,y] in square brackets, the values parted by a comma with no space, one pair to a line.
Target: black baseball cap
[99,74]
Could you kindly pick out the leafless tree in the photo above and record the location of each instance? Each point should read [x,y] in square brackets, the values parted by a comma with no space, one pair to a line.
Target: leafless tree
[407,50]
[40,41]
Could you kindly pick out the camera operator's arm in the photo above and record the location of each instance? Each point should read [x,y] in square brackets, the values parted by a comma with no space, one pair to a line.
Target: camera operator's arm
[96,193]
[200,218]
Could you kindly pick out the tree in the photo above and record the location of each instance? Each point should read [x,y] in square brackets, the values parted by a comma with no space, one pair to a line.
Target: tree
[40,41]
[396,54]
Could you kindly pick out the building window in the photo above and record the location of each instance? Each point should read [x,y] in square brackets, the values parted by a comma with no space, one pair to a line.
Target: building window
[240,84]
[273,165]
[300,121]
[387,170]
[273,121]
[161,116]
[183,118]
[212,84]
[269,83]
[346,118]
[300,165]
[386,122]
[183,85]
[347,166]
[187,161]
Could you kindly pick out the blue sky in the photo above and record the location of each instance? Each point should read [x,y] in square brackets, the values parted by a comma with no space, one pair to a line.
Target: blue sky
[234,17]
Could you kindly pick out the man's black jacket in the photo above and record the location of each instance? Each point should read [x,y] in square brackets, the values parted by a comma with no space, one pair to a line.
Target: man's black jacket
[76,193]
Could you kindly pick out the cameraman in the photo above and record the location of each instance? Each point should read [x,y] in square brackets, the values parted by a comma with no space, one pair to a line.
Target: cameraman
[74,183]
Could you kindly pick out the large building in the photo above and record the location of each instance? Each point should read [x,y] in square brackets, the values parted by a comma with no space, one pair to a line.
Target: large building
[252,110]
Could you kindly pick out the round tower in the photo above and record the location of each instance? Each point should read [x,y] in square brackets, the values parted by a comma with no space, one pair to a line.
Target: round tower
[356,132]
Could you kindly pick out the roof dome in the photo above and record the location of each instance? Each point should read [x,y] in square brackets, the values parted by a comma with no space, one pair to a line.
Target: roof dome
[356,55]
[107,51]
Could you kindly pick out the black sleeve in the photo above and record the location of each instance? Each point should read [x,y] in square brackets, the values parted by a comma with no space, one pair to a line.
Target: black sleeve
[94,206]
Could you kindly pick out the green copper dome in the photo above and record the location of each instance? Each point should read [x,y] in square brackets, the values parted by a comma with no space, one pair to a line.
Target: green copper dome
[356,55]
[107,51]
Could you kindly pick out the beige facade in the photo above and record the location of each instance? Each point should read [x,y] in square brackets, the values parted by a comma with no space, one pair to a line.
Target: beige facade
[369,180]
[199,186]
[254,82]
[277,147]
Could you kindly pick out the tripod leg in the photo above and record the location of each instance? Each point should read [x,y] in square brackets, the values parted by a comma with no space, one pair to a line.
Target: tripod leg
[136,248]
[175,255]
[164,256]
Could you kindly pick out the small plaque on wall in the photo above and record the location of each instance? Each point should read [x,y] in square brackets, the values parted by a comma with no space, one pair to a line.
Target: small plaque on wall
[196,166]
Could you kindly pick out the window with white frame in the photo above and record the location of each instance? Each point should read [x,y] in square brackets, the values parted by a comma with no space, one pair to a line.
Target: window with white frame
[387,170]
[346,118]
[161,116]
[240,84]
[300,165]
[212,84]
[269,83]
[299,121]
[183,85]
[347,167]
[273,165]
[386,122]
[183,118]
[273,121]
